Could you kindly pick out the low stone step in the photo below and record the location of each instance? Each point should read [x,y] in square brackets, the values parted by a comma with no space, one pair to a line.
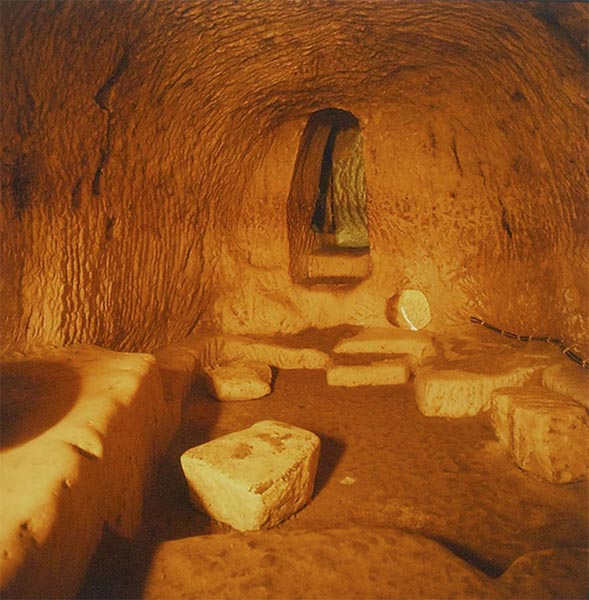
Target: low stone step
[239,381]
[453,392]
[254,478]
[339,264]
[388,340]
[379,372]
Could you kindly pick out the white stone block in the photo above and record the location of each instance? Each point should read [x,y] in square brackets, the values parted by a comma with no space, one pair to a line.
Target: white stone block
[382,372]
[457,393]
[568,379]
[545,432]
[239,381]
[255,478]
[391,340]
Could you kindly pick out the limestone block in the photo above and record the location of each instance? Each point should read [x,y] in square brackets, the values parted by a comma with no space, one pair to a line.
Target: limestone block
[458,393]
[382,372]
[391,340]
[409,309]
[545,432]
[239,381]
[338,263]
[254,478]
[228,348]
[568,379]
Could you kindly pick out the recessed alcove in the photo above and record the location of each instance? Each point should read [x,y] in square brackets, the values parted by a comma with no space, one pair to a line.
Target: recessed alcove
[327,207]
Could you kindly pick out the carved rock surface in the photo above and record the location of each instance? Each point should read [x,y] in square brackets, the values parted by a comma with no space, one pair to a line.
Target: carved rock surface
[235,348]
[82,430]
[380,372]
[392,340]
[254,478]
[459,393]
[239,381]
[545,432]
[147,173]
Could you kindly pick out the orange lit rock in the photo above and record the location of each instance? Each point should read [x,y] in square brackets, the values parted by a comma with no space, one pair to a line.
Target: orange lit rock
[460,393]
[254,478]
[353,562]
[239,381]
[568,379]
[545,432]
[228,348]
[137,206]
[381,372]
[387,341]
[338,264]
[86,427]
[409,309]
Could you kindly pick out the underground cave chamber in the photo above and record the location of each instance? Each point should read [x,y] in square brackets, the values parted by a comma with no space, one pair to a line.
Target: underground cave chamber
[293,299]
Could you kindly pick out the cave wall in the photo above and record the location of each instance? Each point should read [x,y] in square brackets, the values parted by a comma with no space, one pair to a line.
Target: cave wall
[150,147]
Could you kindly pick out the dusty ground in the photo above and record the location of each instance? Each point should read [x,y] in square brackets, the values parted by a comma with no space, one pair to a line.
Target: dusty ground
[383,467]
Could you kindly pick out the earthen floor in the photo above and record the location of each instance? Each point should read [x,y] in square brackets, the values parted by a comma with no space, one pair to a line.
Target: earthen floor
[383,467]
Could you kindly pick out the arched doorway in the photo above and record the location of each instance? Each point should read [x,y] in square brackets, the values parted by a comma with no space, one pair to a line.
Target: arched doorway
[327,214]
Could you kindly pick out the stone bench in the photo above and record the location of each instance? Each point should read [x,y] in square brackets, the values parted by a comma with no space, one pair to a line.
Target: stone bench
[88,426]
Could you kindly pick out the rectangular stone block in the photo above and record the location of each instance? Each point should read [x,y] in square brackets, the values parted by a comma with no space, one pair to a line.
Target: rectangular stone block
[568,379]
[336,263]
[383,372]
[225,348]
[254,478]
[545,432]
[239,381]
[457,393]
[393,340]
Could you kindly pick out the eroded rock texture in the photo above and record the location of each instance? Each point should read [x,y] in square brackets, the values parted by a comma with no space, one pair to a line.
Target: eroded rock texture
[149,150]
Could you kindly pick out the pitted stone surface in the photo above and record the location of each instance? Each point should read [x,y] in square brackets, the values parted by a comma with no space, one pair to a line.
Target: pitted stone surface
[254,478]
[459,393]
[545,432]
[382,372]
[391,340]
[227,348]
[239,381]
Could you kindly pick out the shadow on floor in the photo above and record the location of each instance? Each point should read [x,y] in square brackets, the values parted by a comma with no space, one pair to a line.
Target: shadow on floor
[331,452]
[34,396]
[120,566]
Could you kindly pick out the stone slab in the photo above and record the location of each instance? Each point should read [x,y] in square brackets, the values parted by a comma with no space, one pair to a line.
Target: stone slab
[254,478]
[568,379]
[239,381]
[227,348]
[545,432]
[382,372]
[458,393]
[391,340]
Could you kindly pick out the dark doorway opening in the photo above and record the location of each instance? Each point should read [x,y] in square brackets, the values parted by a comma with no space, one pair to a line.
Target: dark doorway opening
[328,221]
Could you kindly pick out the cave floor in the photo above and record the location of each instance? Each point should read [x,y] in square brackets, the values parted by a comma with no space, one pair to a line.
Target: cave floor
[384,468]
